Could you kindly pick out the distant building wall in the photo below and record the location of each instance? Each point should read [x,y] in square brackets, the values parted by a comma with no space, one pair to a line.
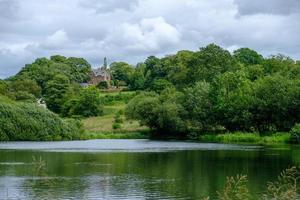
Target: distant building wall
[99,75]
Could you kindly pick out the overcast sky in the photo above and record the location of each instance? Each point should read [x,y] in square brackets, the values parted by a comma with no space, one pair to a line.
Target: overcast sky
[131,30]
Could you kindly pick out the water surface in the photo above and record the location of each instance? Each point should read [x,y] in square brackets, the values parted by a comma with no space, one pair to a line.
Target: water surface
[133,169]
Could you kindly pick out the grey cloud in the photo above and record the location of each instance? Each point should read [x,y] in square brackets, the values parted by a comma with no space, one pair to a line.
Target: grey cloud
[108,5]
[276,7]
[8,9]
[134,29]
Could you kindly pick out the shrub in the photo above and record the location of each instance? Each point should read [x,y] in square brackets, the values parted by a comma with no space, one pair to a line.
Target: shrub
[295,134]
[116,125]
[102,85]
[87,103]
[118,118]
[27,121]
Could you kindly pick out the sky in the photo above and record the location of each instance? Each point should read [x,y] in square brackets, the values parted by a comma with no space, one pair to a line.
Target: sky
[132,30]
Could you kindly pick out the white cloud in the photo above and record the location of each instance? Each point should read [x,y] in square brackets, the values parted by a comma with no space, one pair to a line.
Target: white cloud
[149,35]
[134,29]
[57,40]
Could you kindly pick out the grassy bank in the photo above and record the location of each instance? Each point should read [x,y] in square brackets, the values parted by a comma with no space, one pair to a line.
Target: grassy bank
[101,127]
[250,138]
[116,135]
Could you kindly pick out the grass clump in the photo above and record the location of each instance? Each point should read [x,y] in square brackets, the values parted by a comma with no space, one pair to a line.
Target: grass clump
[117,135]
[286,187]
[239,137]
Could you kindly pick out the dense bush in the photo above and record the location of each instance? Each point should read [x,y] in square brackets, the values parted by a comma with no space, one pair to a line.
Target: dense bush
[161,113]
[86,103]
[24,121]
[295,134]
[102,85]
[110,99]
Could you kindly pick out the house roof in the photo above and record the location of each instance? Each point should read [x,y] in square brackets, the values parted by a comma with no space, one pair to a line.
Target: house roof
[100,72]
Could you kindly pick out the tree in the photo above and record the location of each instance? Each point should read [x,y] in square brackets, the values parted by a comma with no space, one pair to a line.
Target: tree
[86,104]
[153,70]
[210,62]
[248,56]
[159,85]
[137,79]
[276,103]
[121,71]
[278,63]
[55,91]
[198,104]
[142,108]
[233,101]
[42,70]
[26,85]
[163,116]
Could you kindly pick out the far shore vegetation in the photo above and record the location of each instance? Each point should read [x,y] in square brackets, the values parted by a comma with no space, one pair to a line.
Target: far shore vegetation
[209,95]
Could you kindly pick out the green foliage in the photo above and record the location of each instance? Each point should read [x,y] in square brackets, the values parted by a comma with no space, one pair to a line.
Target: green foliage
[248,56]
[121,71]
[117,135]
[102,85]
[55,91]
[24,96]
[118,117]
[276,104]
[243,92]
[42,70]
[190,92]
[86,103]
[163,116]
[24,121]
[210,62]
[3,87]
[242,137]
[137,78]
[295,134]
[26,85]
[158,85]
[112,98]
[50,78]
[116,125]
[197,103]
[142,108]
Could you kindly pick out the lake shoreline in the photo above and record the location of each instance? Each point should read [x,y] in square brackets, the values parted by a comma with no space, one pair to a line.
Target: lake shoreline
[226,138]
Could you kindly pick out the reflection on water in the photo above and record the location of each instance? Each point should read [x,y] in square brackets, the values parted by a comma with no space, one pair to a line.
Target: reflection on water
[162,170]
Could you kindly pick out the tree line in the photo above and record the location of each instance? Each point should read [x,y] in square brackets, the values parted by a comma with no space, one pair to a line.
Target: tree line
[190,92]
[213,90]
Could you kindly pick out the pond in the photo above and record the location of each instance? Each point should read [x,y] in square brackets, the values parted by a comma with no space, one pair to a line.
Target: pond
[134,169]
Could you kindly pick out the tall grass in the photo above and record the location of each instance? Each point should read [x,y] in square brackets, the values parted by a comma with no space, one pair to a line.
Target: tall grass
[116,135]
[286,187]
[239,137]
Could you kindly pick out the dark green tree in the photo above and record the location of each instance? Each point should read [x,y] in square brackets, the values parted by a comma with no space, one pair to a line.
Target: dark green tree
[55,91]
[121,71]
[248,56]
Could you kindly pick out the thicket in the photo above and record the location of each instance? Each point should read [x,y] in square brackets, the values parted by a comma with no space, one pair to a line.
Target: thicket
[27,121]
